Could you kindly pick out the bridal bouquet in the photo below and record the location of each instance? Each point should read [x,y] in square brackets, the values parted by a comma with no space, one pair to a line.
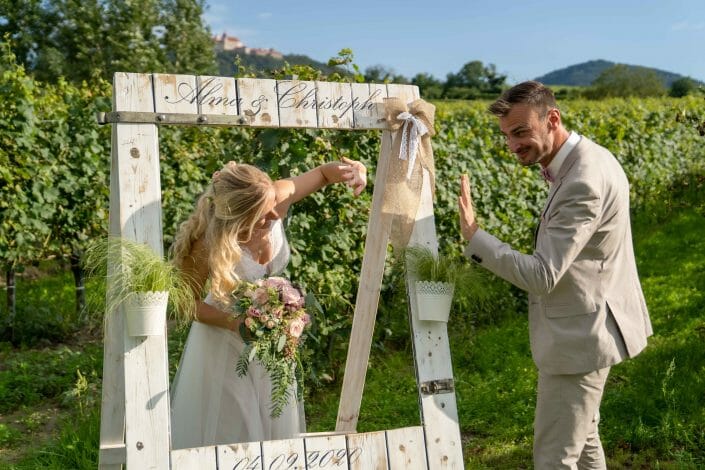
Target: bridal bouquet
[274,322]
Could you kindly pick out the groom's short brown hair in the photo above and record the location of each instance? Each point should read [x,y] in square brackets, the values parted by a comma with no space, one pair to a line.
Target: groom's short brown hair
[533,93]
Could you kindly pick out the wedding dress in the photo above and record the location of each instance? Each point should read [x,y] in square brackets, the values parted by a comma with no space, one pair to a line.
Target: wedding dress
[210,403]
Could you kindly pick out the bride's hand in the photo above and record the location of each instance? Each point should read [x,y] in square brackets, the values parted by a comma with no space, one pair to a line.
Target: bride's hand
[354,175]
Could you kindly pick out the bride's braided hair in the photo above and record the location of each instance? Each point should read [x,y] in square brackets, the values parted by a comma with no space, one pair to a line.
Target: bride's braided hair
[228,209]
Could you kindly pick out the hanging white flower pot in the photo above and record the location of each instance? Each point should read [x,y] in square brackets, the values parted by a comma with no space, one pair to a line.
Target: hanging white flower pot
[146,313]
[433,300]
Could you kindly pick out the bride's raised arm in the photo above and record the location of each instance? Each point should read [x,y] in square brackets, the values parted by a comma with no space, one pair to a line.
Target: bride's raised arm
[291,190]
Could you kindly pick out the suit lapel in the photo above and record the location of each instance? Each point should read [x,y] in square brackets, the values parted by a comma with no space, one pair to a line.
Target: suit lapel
[565,168]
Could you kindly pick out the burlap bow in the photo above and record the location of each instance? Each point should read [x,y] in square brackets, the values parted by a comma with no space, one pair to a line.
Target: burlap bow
[411,151]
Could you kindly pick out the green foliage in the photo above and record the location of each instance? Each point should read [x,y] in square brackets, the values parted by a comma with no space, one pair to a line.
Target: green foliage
[624,81]
[187,43]
[430,87]
[473,80]
[32,376]
[683,87]
[84,40]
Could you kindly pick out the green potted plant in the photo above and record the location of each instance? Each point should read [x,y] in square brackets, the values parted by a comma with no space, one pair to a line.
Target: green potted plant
[436,279]
[140,281]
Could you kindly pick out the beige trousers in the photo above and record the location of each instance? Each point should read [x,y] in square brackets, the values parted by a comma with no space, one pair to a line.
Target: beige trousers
[567,415]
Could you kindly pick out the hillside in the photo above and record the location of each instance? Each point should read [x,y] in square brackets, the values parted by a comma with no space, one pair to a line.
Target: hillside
[585,73]
[262,64]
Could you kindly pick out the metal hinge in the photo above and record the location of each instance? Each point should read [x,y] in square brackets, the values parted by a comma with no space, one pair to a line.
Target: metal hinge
[132,117]
[434,387]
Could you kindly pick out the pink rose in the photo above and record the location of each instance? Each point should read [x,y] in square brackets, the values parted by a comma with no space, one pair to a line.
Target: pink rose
[296,327]
[253,312]
[249,322]
[261,295]
[306,318]
[277,312]
[275,282]
[291,296]
[270,324]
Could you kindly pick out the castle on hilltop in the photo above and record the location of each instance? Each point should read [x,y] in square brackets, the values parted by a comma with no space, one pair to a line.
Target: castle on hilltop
[223,42]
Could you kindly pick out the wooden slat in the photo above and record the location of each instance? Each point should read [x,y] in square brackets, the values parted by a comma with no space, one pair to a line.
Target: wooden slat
[327,452]
[131,92]
[217,95]
[175,93]
[286,454]
[258,101]
[368,99]
[406,449]
[367,451]
[297,103]
[432,355]
[138,217]
[335,105]
[407,93]
[112,455]
[378,230]
[245,456]
[198,458]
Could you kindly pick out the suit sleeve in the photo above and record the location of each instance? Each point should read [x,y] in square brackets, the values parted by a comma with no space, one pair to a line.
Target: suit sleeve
[571,220]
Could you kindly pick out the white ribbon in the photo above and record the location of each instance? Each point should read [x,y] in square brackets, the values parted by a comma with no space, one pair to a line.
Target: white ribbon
[410,139]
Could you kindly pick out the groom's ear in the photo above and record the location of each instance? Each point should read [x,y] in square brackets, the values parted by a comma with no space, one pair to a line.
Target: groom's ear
[553,119]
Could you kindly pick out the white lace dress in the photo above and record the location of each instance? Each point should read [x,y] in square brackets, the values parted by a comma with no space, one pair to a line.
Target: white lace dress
[210,403]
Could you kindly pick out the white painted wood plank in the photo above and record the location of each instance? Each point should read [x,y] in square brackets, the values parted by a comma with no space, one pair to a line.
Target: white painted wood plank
[367,451]
[372,270]
[297,103]
[326,452]
[198,458]
[444,445]
[139,218]
[432,356]
[286,454]
[175,93]
[257,100]
[131,92]
[406,449]
[217,95]
[244,456]
[368,109]
[334,105]
[112,456]
[407,93]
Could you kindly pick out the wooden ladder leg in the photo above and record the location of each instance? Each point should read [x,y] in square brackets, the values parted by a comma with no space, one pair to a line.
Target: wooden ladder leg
[378,231]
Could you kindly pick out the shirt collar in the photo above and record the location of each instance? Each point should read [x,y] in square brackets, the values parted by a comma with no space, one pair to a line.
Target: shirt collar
[570,143]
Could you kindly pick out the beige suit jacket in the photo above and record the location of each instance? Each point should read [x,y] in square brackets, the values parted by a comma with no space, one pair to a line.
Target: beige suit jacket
[582,272]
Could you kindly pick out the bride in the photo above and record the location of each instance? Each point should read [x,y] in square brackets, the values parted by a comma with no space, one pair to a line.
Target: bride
[236,233]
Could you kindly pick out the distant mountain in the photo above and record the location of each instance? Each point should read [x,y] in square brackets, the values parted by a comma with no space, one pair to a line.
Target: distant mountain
[584,74]
[264,63]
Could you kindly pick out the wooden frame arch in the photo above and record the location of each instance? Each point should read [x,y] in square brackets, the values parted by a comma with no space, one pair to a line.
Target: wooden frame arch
[135,415]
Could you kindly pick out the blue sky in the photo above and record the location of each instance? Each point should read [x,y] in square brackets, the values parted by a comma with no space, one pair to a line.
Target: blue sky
[524,39]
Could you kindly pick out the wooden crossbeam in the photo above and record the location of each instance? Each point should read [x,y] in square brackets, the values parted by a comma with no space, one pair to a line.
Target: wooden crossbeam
[394,449]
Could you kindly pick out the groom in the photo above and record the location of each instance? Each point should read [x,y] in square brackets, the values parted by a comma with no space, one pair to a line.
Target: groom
[586,307]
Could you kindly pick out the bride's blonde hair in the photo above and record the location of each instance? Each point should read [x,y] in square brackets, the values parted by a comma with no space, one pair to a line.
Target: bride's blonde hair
[225,214]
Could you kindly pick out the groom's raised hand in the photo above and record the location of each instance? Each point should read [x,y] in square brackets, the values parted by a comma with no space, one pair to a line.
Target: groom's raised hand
[468,223]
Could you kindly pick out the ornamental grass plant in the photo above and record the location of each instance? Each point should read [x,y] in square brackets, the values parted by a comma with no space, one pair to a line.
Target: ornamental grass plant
[129,267]
[422,264]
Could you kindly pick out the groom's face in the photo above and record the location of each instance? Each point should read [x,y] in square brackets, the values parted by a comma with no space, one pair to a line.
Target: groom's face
[528,134]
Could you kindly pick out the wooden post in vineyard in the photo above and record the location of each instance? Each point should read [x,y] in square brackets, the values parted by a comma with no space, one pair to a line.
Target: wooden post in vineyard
[135,419]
